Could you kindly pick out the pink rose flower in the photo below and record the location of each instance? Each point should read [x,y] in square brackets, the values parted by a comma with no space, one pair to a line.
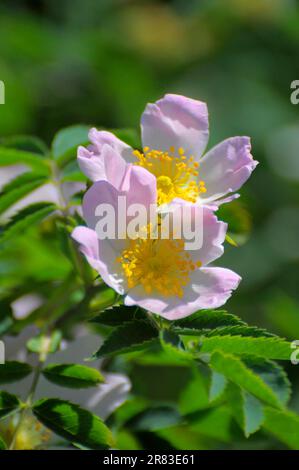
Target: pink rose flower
[175,132]
[159,275]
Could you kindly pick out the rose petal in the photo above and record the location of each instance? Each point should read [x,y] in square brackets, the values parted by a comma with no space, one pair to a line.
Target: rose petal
[226,167]
[176,121]
[209,288]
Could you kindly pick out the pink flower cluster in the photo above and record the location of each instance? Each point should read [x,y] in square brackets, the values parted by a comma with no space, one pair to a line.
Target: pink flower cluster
[161,275]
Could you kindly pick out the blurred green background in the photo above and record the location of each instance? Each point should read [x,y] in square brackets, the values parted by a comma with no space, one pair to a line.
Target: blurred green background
[99,62]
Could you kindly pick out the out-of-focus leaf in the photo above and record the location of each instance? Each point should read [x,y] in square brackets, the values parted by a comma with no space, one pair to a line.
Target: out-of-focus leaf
[217,386]
[12,156]
[73,375]
[73,423]
[27,218]
[8,198]
[284,425]
[214,423]
[3,445]
[9,404]
[155,418]
[117,315]
[238,373]
[12,371]
[132,336]
[267,348]
[247,410]
[66,142]
[45,344]
[26,143]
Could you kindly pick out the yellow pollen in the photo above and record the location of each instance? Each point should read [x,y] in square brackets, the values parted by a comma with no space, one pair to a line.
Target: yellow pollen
[159,265]
[176,175]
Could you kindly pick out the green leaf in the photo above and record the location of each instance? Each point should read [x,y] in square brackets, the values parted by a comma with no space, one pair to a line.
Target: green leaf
[117,315]
[274,376]
[9,198]
[44,344]
[3,445]
[239,330]
[73,375]
[131,336]
[217,386]
[284,425]
[12,371]
[238,373]
[34,161]
[205,320]
[268,348]
[66,142]
[155,418]
[28,143]
[173,345]
[73,423]
[9,404]
[26,218]
[247,410]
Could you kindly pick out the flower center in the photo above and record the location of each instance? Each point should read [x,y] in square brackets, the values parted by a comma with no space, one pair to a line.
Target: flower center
[176,175]
[161,266]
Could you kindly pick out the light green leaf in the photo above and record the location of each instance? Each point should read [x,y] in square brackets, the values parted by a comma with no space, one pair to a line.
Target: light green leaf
[66,142]
[73,375]
[131,336]
[9,404]
[45,344]
[34,161]
[3,445]
[73,423]
[12,371]
[268,348]
[238,373]
[217,386]
[239,330]
[284,425]
[173,345]
[155,418]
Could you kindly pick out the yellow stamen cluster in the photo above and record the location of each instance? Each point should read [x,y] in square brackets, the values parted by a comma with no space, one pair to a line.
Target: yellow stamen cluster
[160,266]
[176,174]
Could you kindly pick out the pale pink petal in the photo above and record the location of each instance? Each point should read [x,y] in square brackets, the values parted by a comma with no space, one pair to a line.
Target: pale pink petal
[105,158]
[101,256]
[226,167]
[209,230]
[176,121]
[209,288]
[139,186]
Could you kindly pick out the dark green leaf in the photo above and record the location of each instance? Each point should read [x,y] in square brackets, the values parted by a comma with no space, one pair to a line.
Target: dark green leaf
[8,404]
[205,320]
[27,143]
[131,336]
[73,375]
[26,218]
[173,345]
[117,315]
[12,371]
[73,423]
[11,197]
[154,419]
